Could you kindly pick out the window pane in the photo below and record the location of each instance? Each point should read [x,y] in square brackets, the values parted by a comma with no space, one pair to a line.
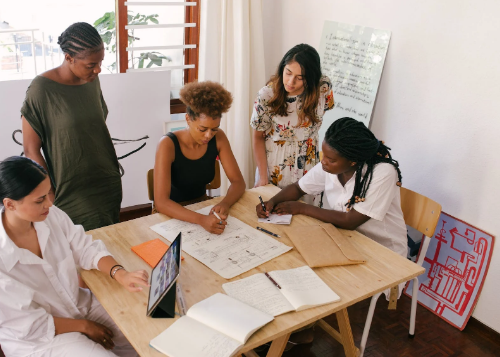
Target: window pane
[34,52]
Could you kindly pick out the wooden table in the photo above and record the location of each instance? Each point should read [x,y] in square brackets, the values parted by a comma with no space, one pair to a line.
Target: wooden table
[352,283]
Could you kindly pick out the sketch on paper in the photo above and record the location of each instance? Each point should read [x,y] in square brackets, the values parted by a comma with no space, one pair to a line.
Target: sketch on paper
[237,250]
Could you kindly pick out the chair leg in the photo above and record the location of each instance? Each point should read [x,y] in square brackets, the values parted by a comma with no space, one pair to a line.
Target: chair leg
[368,324]
[413,314]
[414,296]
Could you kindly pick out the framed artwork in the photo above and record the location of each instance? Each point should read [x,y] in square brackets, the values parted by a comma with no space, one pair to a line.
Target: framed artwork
[456,265]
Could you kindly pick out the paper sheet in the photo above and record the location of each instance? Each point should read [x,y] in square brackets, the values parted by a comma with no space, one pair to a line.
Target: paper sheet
[237,250]
[277,219]
[258,291]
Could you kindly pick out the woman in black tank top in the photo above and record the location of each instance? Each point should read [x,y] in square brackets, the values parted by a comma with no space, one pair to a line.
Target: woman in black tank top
[185,160]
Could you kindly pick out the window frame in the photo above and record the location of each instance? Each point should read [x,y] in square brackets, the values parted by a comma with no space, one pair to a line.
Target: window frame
[191,37]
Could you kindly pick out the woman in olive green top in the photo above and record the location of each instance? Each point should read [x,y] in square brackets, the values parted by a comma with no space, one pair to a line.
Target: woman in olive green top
[64,115]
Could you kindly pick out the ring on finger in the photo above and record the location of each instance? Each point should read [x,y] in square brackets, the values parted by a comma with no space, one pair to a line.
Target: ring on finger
[104,340]
[220,222]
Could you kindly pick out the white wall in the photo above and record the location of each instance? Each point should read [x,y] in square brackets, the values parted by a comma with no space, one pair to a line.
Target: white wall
[438,105]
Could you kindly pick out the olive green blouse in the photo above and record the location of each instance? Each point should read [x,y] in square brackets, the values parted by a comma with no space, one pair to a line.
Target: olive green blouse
[71,123]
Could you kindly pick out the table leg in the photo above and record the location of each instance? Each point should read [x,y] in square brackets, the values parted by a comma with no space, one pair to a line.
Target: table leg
[346,333]
[278,346]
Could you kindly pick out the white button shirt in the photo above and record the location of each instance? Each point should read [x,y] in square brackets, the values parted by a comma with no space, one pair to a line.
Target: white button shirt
[33,290]
[382,203]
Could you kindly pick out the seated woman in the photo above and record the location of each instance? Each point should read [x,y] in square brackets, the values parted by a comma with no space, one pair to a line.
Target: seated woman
[185,160]
[360,181]
[42,310]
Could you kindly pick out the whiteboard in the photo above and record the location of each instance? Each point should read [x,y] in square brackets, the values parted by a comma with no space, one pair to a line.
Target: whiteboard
[138,105]
[353,57]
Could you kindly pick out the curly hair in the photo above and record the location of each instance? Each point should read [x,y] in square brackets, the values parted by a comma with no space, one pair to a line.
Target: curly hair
[209,98]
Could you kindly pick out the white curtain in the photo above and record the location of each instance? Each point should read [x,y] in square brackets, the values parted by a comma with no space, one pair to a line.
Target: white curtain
[232,53]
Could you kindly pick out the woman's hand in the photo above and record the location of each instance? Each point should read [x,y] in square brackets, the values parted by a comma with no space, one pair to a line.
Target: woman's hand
[222,209]
[212,224]
[289,207]
[260,211]
[261,182]
[99,334]
[132,279]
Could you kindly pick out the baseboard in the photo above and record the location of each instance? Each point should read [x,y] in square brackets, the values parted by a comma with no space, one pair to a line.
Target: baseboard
[133,212]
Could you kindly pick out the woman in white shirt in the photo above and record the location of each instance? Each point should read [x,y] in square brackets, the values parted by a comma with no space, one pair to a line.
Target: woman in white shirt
[360,181]
[43,312]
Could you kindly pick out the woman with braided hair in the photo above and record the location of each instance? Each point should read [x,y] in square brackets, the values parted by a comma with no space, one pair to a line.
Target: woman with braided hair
[360,181]
[64,115]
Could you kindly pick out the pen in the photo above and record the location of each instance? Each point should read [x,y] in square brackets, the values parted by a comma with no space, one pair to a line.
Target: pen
[262,203]
[181,303]
[272,280]
[268,232]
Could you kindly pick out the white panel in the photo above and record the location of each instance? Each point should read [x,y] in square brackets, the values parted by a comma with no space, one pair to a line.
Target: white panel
[138,105]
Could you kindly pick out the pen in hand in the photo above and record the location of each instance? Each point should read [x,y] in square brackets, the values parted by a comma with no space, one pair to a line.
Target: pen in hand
[262,204]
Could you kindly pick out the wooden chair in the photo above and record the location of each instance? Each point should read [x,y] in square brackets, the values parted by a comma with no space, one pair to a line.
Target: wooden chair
[215,184]
[422,214]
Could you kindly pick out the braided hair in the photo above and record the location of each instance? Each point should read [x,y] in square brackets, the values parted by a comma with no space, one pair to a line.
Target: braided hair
[354,141]
[78,38]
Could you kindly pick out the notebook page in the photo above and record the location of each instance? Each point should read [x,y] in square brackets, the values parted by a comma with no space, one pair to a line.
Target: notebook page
[303,287]
[229,316]
[189,338]
[277,219]
[258,291]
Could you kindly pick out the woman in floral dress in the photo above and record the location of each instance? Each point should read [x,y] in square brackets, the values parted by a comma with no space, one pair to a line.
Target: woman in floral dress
[286,118]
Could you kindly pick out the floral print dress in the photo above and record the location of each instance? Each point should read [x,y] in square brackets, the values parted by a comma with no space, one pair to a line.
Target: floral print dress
[291,148]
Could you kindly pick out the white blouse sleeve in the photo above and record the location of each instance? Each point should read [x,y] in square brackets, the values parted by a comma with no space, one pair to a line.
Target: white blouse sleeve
[86,252]
[24,319]
[313,182]
[380,193]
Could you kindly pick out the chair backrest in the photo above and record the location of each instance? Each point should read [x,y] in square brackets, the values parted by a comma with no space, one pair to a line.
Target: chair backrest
[211,186]
[420,212]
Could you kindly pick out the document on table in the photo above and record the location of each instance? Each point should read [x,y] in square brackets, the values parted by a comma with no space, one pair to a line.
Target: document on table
[277,219]
[237,250]
[299,289]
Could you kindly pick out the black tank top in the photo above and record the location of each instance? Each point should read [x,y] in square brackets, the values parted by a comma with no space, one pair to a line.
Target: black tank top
[189,178]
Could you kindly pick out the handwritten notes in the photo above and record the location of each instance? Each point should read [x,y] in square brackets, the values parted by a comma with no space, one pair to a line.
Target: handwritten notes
[353,57]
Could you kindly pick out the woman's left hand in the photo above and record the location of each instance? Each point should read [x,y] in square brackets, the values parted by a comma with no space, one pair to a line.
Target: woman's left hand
[289,207]
[221,209]
[132,279]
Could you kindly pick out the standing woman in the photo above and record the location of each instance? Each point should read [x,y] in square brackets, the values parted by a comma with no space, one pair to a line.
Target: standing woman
[287,116]
[64,115]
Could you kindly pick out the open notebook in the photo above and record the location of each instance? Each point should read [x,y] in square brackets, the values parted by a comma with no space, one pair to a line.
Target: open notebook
[301,288]
[215,327]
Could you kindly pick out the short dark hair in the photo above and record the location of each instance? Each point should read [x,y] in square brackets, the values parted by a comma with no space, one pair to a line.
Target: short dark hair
[354,141]
[209,98]
[79,38]
[19,176]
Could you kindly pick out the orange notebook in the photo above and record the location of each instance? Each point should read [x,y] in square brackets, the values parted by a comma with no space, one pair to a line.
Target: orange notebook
[151,251]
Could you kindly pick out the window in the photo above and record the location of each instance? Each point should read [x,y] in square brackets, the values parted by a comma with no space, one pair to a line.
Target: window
[29,30]
[160,36]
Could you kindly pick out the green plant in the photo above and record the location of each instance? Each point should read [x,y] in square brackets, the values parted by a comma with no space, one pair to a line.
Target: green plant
[106,26]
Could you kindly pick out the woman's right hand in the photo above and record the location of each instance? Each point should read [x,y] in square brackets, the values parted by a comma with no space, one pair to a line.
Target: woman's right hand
[99,334]
[212,224]
[269,208]
[261,182]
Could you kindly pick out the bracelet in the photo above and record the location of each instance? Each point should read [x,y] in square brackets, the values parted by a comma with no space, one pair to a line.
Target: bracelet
[114,272]
[114,266]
